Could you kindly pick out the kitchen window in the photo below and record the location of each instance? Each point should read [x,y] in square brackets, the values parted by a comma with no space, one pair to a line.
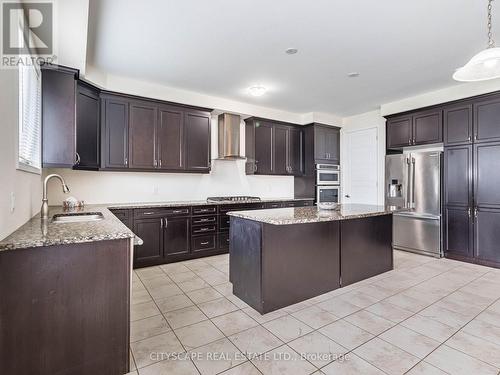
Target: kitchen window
[30,129]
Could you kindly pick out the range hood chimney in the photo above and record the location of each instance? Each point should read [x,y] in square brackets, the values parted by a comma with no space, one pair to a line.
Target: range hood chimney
[229,137]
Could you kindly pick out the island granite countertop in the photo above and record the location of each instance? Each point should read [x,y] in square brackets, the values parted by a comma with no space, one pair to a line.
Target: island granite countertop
[38,233]
[303,215]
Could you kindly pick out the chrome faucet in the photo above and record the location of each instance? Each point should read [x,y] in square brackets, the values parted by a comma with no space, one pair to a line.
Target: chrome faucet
[44,212]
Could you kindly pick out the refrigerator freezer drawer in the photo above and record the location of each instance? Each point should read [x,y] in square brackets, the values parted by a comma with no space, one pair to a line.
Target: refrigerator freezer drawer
[417,234]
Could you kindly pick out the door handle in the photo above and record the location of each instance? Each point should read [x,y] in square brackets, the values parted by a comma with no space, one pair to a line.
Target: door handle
[347,196]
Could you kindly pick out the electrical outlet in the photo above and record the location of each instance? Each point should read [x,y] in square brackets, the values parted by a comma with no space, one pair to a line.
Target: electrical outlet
[12,202]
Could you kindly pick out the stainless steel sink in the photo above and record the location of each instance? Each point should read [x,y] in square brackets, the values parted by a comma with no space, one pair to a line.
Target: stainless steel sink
[77,217]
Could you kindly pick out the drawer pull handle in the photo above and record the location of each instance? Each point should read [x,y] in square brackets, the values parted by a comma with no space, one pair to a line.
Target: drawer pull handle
[227,239]
[148,213]
[179,211]
[205,243]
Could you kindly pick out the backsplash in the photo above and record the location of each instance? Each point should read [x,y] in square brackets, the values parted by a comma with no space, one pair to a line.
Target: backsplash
[226,178]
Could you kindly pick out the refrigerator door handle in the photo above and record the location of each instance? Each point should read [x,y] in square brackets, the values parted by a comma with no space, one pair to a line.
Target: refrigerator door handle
[412,182]
[408,183]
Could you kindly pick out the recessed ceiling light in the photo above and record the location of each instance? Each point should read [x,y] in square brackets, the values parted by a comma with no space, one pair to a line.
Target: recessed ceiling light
[353,74]
[291,51]
[257,90]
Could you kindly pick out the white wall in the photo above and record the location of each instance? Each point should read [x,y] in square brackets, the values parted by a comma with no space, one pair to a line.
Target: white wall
[26,187]
[360,122]
[227,178]
[440,96]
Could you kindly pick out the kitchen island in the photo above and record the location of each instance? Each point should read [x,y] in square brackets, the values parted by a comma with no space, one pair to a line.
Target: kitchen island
[284,256]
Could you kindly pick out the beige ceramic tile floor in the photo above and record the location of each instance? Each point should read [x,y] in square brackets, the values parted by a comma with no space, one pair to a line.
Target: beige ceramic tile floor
[427,316]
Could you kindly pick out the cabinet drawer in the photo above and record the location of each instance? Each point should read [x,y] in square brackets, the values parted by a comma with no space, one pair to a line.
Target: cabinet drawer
[205,210]
[273,205]
[203,243]
[204,220]
[203,229]
[223,240]
[160,212]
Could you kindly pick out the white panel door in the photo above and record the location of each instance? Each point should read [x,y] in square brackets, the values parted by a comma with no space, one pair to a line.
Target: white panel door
[360,170]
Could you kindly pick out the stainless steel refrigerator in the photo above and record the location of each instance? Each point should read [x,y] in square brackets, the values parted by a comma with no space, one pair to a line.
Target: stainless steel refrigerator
[413,180]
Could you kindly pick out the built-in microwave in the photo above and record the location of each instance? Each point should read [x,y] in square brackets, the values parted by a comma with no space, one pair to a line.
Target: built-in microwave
[328,193]
[327,174]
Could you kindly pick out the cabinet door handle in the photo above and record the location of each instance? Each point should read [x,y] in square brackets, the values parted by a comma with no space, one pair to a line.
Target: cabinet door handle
[205,243]
[77,158]
[409,141]
[414,141]
[255,167]
[469,138]
[159,163]
[475,137]
[125,162]
[469,212]
[475,212]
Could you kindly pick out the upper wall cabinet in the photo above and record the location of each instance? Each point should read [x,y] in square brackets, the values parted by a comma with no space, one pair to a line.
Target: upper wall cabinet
[147,135]
[417,128]
[84,127]
[87,127]
[457,124]
[273,148]
[487,120]
[197,141]
[58,117]
[115,118]
[326,144]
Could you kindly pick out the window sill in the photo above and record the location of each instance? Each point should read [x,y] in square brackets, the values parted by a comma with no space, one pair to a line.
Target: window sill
[28,168]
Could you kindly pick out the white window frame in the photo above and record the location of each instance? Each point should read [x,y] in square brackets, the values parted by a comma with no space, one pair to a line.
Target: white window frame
[21,165]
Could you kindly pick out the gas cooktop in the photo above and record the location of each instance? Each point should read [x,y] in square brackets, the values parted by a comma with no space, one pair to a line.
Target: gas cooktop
[236,198]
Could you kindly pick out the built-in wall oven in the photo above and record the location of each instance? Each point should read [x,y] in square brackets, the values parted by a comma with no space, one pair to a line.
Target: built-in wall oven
[327,183]
[327,193]
[327,174]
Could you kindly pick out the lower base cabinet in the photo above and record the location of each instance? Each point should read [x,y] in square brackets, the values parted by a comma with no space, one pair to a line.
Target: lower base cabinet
[151,233]
[175,237]
[177,234]
[458,232]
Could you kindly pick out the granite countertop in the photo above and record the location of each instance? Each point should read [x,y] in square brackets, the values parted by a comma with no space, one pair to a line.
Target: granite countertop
[113,206]
[302,215]
[38,233]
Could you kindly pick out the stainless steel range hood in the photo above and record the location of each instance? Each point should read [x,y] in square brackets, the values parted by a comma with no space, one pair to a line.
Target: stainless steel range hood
[229,137]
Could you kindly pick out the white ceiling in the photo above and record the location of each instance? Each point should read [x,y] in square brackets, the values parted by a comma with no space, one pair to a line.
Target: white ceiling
[220,47]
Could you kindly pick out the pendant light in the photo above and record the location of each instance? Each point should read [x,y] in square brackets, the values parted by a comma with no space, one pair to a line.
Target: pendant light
[485,65]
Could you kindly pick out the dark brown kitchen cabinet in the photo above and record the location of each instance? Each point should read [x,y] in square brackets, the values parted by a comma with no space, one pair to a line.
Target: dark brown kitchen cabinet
[418,128]
[487,120]
[170,138]
[115,120]
[197,141]
[472,203]
[487,236]
[458,171]
[295,151]
[273,148]
[399,132]
[87,127]
[280,150]
[457,124]
[487,175]
[143,119]
[263,148]
[58,117]
[428,127]
[150,230]
[326,144]
[176,237]
[458,231]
